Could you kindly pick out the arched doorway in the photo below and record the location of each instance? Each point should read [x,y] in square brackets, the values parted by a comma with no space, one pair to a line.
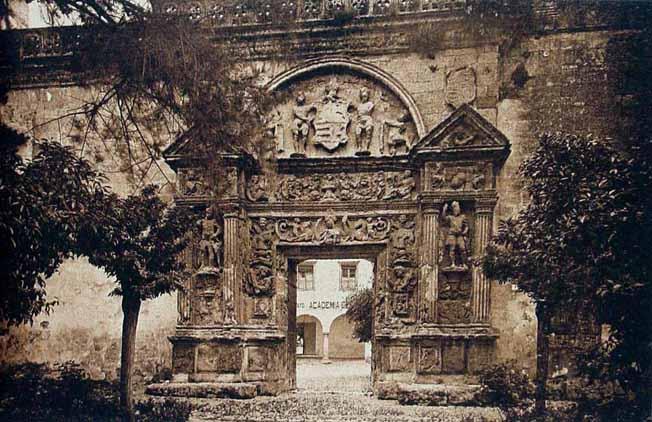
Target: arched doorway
[342,343]
[309,336]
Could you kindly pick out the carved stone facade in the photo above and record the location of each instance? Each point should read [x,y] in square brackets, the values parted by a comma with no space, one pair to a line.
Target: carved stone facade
[419,208]
[342,114]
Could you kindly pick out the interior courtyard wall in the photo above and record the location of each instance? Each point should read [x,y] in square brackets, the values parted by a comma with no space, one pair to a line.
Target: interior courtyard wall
[561,74]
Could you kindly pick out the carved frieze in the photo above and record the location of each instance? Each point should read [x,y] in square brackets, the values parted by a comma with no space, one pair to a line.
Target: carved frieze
[340,114]
[464,176]
[191,182]
[330,229]
[454,311]
[394,185]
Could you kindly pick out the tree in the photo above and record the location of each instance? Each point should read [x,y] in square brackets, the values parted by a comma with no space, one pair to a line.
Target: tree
[42,204]
[360,313]
[137,240]
[584,241]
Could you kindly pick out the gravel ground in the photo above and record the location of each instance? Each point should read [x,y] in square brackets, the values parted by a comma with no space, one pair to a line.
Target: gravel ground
[340,376]
[338,392]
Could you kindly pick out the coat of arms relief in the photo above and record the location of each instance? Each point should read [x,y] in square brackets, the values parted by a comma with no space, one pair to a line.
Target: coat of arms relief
[341,115]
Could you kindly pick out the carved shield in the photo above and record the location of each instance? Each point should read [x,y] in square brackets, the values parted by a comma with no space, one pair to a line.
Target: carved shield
[331,124]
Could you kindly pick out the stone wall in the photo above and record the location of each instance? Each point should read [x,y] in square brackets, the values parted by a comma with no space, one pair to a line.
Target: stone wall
[570,86]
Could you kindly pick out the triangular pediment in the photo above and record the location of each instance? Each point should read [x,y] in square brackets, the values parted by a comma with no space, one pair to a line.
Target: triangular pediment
[465,129]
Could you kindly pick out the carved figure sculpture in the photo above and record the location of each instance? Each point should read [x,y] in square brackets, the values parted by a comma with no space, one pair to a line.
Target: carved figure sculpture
[364,127]
[331,234]
[437,178]
[402,240]
[456,238]
[257,188]
[303,116]
[396,136]
[210,244]
[274,132]
[332,119]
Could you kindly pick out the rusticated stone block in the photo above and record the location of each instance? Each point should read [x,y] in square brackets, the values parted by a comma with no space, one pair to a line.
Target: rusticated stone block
[438,395]
[480,355]
[183,358]
[262,359]
[221,358]
[236,390]
[453,357]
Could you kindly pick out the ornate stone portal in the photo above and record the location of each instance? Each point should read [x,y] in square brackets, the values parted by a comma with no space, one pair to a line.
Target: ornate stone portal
[354,182]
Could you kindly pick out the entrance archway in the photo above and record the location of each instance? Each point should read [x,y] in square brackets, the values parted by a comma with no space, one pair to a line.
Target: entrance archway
[421,212]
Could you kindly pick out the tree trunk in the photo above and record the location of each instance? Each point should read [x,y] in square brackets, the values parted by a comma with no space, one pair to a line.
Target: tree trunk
[130,310]
[542,359]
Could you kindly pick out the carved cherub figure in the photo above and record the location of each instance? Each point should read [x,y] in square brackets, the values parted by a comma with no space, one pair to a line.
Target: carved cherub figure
[456,238]
[397,137]
[364,124]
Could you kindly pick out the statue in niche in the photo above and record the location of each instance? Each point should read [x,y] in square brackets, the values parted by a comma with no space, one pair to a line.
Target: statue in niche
[455,245]
[303,115]
[364,124]
[332,119]
[210,244]
[399,186]
[396,134]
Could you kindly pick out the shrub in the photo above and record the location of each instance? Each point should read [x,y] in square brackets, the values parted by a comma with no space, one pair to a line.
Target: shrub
[360,313]
[505,386]
[63,392]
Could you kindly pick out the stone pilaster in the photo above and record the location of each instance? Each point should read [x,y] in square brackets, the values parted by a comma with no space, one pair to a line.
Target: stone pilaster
[231,259]
[429,259]
[480,296]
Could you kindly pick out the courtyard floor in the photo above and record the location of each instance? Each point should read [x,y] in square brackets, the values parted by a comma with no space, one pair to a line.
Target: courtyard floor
[337,392]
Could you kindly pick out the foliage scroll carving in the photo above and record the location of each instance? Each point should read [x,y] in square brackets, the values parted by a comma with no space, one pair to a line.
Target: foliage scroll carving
[332,187]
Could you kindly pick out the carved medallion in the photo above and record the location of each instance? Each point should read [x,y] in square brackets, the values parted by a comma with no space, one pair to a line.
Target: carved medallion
[430,360]
[460,86]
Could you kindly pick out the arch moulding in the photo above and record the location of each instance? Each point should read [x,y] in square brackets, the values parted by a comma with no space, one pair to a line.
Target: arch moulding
[354,66]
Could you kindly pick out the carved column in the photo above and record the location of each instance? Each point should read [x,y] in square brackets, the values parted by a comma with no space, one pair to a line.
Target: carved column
[480,299]
[230,284]
[429,259]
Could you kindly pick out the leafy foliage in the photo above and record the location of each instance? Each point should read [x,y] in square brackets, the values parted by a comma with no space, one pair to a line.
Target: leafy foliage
[360,313]
[42,204]
[505,386]
[137,240]
[584,240]
[37,392]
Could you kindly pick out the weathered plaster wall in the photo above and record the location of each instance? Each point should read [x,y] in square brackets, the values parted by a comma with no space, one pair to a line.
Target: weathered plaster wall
[86,326]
